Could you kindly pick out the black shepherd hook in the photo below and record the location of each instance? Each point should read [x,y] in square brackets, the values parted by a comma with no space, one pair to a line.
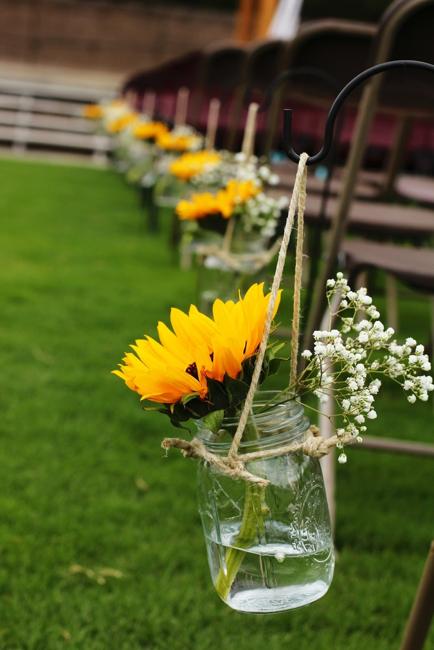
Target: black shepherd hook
[334,110]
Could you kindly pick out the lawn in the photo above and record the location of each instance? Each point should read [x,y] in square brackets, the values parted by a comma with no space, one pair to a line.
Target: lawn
[100,539]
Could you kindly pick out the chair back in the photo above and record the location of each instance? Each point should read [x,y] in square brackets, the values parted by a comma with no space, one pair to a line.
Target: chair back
[222,74]
[405,32]
[322,58]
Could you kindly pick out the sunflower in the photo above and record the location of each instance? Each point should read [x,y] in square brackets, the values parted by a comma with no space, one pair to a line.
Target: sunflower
[120,123]
[241,191]
[240,326]
[203,204]
[93,111]
[191,164]
[196,350]
[224,202]
[149,130]
[173,142]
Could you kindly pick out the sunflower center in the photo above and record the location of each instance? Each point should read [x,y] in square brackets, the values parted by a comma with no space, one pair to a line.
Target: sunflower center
[192,370]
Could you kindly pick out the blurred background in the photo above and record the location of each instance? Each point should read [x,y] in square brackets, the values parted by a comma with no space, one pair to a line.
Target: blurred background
[74,51]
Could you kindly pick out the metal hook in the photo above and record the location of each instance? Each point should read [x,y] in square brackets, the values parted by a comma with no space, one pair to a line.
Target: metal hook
[334,110]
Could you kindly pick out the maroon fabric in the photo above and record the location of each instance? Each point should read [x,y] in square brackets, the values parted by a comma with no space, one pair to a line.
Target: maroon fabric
[167,77]
[308,121]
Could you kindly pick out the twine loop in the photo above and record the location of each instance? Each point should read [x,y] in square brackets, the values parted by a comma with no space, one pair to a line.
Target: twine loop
[239,261]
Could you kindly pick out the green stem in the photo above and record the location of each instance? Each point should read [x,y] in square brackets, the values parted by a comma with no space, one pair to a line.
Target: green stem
[252,524]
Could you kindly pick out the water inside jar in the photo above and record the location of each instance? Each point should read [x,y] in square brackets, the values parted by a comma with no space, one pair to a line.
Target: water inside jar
[273,576]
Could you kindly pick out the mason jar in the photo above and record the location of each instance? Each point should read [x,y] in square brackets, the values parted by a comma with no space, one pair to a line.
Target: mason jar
[216,278]
[169,190]
[269,548]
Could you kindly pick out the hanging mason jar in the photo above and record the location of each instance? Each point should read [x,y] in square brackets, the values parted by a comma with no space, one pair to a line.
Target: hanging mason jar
[269,548]
[142,170]
[169,190]
[223,275]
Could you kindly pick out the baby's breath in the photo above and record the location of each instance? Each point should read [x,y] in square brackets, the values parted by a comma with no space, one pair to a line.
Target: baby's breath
[348,362]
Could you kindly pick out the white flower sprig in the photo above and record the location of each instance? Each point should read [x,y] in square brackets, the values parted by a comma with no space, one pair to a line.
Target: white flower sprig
[348,362]
[262,213]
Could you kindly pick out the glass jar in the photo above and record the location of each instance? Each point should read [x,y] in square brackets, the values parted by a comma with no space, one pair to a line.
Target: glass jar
[169,190]
[269,548]
[219,279]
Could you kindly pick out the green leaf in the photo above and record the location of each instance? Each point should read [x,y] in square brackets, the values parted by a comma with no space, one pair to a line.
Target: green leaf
[217,395]
[274,364]
[187,398]
[236,389]
[274,348]
[214,420]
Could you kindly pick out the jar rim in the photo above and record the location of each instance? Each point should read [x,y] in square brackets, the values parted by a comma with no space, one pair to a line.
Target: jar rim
[296,424]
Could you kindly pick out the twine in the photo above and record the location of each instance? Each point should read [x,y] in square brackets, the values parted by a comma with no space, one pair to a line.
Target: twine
[239,261]
[295,329]
[299,186]
[313,444]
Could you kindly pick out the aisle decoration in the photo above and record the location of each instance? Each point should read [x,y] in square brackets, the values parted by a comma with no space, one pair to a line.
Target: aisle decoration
[234,204]
[262,498]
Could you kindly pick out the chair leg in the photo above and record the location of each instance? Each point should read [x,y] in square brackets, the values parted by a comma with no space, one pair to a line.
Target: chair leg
[328,462]
[396,155]
[422,611]
[326,427]
[361,281]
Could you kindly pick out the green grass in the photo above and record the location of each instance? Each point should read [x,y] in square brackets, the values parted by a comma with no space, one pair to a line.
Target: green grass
[80,279]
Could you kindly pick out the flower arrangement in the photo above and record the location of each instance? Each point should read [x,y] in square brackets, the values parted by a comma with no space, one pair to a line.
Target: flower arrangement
[107,109]
[255,211]
[203,364]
